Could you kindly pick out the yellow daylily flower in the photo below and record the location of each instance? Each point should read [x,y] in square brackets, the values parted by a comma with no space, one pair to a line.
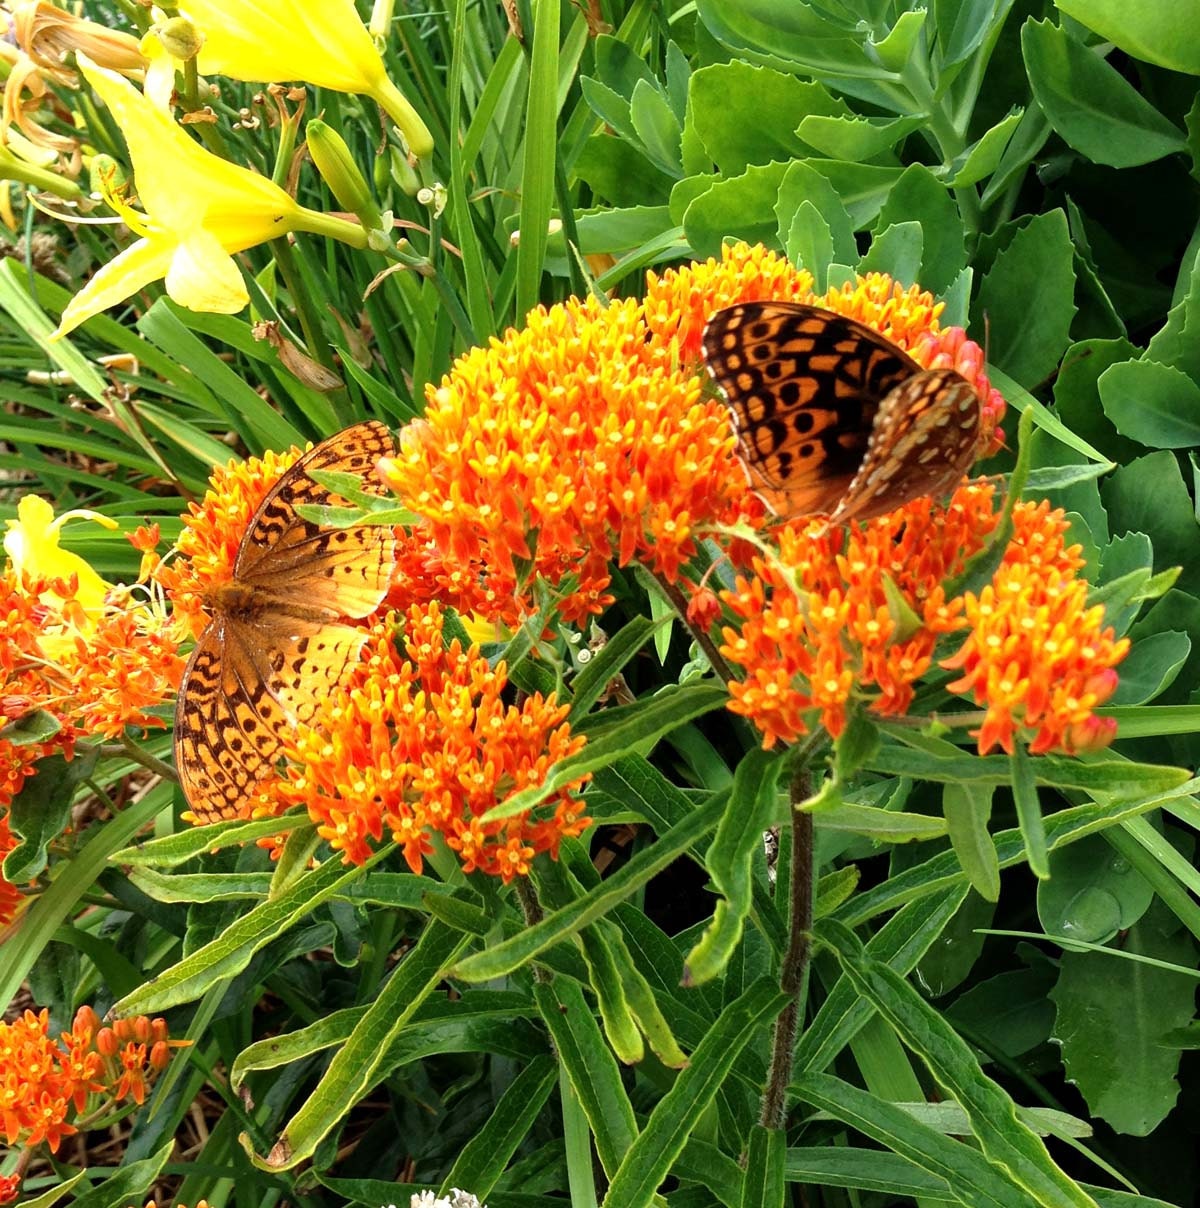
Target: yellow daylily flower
[323,42]
[32,548]
[199,210]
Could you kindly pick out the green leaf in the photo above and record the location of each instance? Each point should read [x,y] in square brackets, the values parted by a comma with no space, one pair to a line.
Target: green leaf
[1146,29]
[747,115]
[1077,394]
[967,808]
[356,1066]
[896,250]
[856,139]
[1150,667]
[1154,404]
[741,206]
[1093,892]
[482,1160]
[865,1170]
[1009,1145]
[619,1026]
[657,127]
[608,661]
[1011,1010]
[1090,104]
[1029,811]
[613,733]
[675,1116]
[902,941]
[1149,496]
[956,1167]
[949,962]
[588,1064]
[763,1186]
[918,195]
[802,186]
[230,953]
[41,810]
[512,953]
[126,1185]
[885,826]
[983,157]
[808,242]
[753,808]
[29,728]
[1112,1016]
[1026,300]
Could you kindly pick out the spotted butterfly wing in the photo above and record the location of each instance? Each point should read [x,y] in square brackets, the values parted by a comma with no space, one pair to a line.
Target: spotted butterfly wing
[278,640]
[832,417]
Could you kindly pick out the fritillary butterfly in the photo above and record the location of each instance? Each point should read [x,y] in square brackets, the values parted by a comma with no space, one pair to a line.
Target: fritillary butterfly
[278,639]
[833,418]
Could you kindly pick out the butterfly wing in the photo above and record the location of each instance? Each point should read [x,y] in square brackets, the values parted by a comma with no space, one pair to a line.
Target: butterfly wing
[275,646]
[804,385]
[344,571]
[925,437]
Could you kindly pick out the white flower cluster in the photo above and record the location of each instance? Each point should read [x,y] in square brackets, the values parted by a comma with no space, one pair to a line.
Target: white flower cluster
[427,1199]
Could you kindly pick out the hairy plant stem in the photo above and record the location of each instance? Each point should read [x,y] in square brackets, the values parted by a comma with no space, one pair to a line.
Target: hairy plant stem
[531,908]
[793,975]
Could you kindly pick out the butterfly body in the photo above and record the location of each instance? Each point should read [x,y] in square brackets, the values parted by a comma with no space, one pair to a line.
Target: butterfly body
[832,417]
[280,634]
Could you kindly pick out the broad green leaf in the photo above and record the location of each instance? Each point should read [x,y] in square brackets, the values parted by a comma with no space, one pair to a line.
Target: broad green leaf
[675,1116]
[126,1185]
[1157,33]
[1009,1011]
[1153,404]
[1112,1016]
[37,726]
[619,172]
[982,158]
[764,1186]
[1093,892]
[1150,667]
[1026,299]
[1077,394]
[741,207]
[657,127]
[1149,496]
[747,115]
[589,1065]
[857,139]
[753,808]
[38,814]
[896,250]
[948,963]
[808,242]
[803,185]
[919,196]
[1090,103]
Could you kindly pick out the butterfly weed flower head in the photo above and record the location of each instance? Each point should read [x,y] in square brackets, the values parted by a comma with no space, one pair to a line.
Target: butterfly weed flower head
[573,443]
[420,741]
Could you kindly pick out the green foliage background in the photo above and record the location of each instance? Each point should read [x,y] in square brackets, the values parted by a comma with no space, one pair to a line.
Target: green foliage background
[1035,165]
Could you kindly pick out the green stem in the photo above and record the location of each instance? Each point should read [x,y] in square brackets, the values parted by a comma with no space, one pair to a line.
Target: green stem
[703,640]
[793,976]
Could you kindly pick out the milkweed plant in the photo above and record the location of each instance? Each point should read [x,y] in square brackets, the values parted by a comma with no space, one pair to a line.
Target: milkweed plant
[654,841]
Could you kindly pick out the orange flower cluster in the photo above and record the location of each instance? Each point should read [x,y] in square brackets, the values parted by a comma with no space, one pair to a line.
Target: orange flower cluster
[1036,656]
[212,531]
[95,674]
[90,1068]
[571,444]
[837,616]
[421,742]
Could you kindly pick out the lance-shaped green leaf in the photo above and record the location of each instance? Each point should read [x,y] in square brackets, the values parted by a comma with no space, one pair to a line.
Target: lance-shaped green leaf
[766,1156]
[590,1068]
[613,734]
[356,1067]
[483,1159]
[677,1113]
[172,850]
[230,953]
[962,1170]
[608,661]
[753,807]
[643,1004]
[514,952]
[967,808]
[1029,812]
[606,982]
[1006,1142]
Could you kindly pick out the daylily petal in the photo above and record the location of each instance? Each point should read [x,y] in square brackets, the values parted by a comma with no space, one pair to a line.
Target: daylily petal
[182,185]
[31,544]
[322,42]
[142,262]
[203,276]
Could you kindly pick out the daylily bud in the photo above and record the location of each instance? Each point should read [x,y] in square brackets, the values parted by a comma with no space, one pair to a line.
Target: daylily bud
[402,172]
[335,163]
[180,38]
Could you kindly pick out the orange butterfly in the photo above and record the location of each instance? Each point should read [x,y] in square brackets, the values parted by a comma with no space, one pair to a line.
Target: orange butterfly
[279,637]
[834,419]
